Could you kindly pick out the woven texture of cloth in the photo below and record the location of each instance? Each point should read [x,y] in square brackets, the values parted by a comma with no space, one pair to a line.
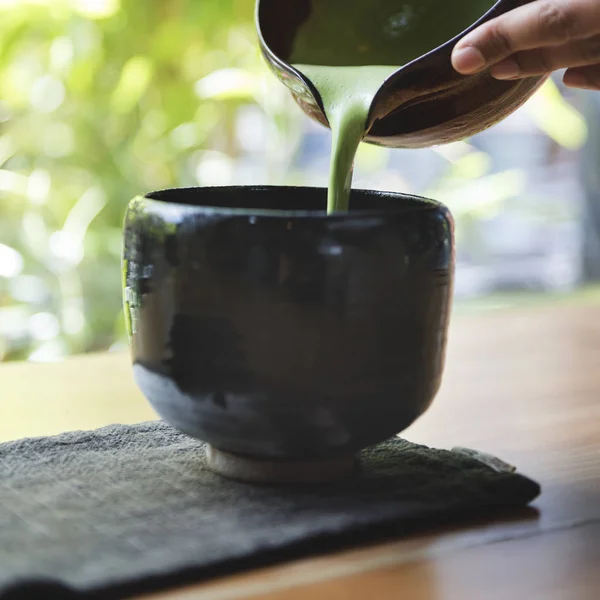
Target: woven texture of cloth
[130,509]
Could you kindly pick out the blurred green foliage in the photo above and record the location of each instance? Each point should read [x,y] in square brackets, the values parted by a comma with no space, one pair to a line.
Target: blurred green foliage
[101,100]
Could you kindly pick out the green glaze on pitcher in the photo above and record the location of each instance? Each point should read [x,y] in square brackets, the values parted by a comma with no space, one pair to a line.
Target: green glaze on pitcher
[341,48]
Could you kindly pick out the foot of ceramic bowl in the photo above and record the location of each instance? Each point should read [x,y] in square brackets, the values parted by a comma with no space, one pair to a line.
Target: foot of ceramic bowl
[253,470]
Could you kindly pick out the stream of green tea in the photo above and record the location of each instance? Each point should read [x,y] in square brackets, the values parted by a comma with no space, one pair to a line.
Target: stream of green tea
[344,49]
[347,94]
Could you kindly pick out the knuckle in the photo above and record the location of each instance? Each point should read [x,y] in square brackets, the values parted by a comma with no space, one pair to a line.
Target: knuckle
[522,62]
[547,62]
[557,19]
[534,62]
[499,41]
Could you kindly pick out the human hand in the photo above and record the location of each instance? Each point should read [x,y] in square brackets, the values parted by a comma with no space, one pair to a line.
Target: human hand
[536,39]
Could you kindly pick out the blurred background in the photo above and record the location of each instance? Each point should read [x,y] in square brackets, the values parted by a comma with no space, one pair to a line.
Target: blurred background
[101,100]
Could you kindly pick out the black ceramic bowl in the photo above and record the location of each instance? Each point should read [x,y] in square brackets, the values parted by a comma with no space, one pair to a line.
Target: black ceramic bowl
[279,334]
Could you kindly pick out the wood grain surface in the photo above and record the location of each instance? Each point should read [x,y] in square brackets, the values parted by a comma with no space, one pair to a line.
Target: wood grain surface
[523,385]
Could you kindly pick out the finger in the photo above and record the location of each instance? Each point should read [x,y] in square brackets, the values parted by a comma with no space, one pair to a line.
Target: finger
[586,78]
[537,24]
[545,60]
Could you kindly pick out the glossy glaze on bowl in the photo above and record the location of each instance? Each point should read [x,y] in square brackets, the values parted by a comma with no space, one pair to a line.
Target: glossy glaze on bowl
[424,103]
[268,329]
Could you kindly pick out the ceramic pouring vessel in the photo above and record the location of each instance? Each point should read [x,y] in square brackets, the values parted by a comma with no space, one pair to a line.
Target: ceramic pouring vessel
[424,103]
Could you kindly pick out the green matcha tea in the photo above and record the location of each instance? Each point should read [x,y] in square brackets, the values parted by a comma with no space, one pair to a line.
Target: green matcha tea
[347,94]
[342,48]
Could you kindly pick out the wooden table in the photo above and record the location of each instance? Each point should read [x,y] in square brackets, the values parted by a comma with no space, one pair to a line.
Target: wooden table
[522,385]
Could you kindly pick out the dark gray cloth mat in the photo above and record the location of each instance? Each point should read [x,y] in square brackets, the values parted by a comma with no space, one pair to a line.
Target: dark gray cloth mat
[128,509]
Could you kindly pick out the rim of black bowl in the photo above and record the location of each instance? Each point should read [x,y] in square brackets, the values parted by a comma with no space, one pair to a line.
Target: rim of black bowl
[284,201]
